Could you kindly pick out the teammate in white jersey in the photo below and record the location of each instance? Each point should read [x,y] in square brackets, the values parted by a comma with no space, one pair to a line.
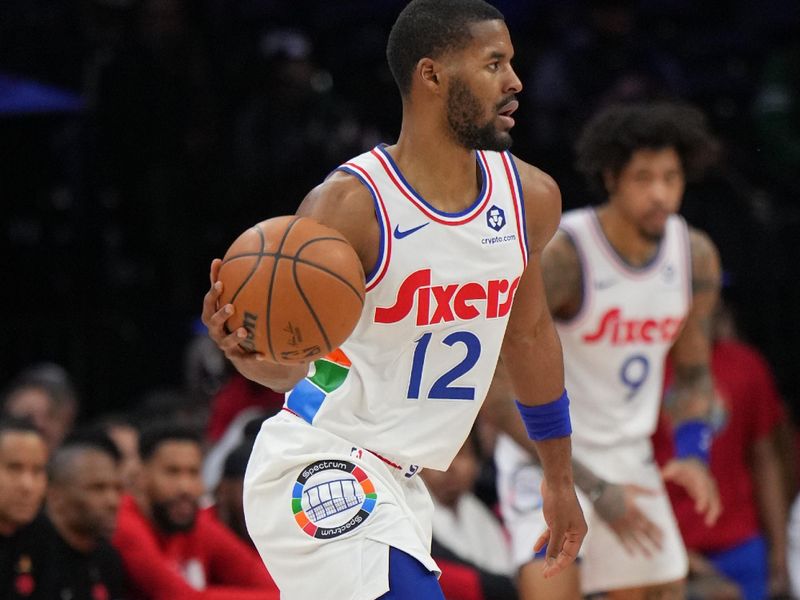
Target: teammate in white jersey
[627,282]
[449,228]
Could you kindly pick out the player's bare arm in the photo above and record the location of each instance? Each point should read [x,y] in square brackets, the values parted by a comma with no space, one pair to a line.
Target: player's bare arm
[532,355]
[340,202]
[691,396]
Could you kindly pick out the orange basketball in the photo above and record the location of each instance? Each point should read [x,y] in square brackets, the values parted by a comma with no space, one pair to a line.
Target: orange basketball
[298,288]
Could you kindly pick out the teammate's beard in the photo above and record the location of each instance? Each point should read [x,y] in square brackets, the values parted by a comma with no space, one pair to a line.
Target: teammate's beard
[463,116]
[160,513]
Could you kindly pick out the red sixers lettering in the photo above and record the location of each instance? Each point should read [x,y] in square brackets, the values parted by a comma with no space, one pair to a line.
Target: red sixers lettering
[446,303]
[618,330]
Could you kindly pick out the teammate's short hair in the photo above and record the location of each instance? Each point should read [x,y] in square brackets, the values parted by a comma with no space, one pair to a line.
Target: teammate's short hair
[430,28]
[153,436]
[60,466]
[610,138]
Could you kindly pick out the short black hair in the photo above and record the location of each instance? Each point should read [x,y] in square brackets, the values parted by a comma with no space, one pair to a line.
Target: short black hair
[155,435]
[18,425]
[430,28]
[236,462]
[610,138]
[93,440]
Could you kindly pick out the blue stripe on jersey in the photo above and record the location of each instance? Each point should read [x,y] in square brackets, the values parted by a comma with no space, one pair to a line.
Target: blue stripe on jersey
[369,504]
[305,400]
[523,225]
[469,209]
[375,269]
[297,490]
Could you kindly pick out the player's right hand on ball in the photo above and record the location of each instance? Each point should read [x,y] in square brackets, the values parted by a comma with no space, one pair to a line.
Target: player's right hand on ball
[280,378]
[617,507]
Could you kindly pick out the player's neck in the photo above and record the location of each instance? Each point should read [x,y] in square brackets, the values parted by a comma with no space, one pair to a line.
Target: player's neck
[625,238]
[441,171]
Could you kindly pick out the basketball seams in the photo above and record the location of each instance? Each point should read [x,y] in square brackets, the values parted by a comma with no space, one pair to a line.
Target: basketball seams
[260,255]
[270,286]
[309,307]
[325,269]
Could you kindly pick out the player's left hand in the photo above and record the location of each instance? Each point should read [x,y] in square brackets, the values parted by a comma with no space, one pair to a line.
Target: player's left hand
[566,528]
[695,478]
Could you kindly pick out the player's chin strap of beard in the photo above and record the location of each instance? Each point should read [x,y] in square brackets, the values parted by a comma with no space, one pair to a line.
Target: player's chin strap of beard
[547,421]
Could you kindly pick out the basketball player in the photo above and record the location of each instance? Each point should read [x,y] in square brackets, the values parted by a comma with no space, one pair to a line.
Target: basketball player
[627,282]
[449,227]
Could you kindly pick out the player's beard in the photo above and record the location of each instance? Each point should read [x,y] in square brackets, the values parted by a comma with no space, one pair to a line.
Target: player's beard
[464,112]
[164,521]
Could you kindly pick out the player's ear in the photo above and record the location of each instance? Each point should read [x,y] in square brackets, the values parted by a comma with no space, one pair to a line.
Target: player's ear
[429,73]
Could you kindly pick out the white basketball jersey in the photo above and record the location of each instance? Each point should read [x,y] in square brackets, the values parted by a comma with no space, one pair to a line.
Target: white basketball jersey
[409,381]
[615,347]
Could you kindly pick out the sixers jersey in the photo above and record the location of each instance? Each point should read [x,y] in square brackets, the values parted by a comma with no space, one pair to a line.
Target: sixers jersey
[615,347]
[410,380]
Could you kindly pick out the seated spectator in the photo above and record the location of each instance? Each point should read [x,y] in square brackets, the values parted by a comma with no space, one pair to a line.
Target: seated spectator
[237,395]
[44,394]
[72,556]
[229,493]
[747,544]
[171,549]
[126,438]
[468,541]
[23,457]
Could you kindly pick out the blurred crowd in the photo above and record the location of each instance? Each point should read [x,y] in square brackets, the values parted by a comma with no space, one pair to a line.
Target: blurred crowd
[147,503]
[162,128]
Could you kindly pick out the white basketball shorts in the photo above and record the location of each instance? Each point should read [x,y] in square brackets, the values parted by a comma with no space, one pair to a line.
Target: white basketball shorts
[323,512]
[605,564]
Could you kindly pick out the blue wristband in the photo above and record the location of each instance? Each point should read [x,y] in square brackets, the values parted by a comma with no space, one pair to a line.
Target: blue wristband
[547,421]
[693,440]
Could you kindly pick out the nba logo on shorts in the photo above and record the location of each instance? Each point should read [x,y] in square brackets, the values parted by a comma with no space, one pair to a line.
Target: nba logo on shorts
[331,498]
[496,218]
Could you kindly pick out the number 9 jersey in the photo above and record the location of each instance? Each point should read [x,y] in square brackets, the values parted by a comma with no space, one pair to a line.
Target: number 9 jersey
[410,380]
[615,347]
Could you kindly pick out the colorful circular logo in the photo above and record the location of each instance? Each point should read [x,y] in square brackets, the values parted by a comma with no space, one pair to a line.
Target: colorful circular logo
[331,498]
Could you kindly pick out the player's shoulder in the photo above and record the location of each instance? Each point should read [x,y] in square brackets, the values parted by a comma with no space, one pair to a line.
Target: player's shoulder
[343,203]
[700,243]
[537,185]
[542,203]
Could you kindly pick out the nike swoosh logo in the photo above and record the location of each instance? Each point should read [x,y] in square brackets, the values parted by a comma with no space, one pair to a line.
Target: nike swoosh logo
[399,235]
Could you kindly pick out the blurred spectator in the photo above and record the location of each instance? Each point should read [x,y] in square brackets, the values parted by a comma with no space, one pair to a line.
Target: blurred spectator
[72,556]
[236,395]
[170,548]
[240,404]
[23,457]
[170,405]
[44,393]
[205,368]
[465,532]
[126,438]
[748,542]
[229,492]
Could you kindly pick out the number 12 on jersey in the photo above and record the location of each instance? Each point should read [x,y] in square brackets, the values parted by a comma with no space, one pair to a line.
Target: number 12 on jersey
[442,388]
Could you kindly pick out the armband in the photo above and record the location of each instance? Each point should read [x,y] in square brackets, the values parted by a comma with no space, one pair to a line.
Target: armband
[547,421]
[693,440]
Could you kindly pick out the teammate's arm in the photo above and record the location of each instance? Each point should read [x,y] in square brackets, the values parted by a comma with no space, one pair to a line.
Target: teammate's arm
[532,354]
[690,399]
[340,202]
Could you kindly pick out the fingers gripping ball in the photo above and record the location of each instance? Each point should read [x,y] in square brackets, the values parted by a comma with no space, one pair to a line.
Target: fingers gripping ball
[298,288]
